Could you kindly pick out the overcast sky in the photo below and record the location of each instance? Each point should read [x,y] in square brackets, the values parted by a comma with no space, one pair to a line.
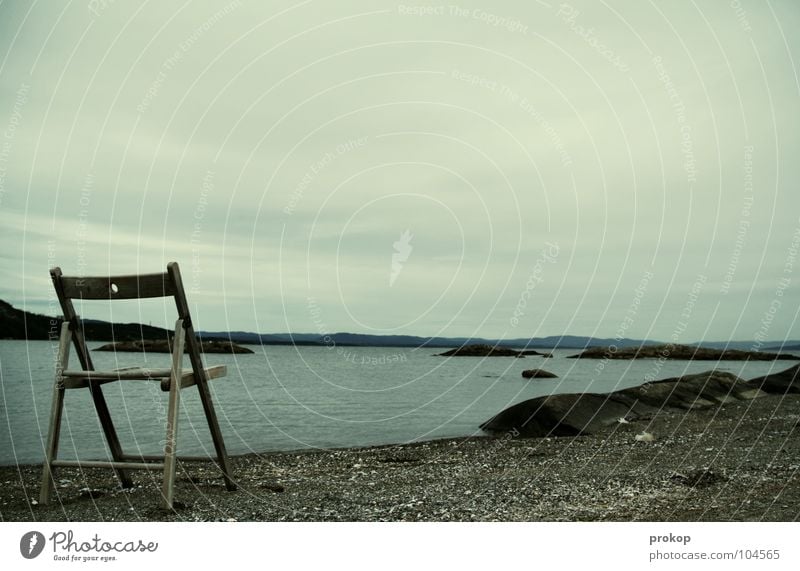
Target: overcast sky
[503,169]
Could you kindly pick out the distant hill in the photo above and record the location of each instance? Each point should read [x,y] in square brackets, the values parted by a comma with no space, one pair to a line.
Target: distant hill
[18,324]
[793,347]
[365,340]
[681,353]
[575,342]
[788,345]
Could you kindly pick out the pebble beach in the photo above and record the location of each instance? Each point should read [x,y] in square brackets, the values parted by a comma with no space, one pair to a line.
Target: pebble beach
[734,462]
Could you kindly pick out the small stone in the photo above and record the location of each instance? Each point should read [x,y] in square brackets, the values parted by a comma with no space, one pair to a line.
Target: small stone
[273,487]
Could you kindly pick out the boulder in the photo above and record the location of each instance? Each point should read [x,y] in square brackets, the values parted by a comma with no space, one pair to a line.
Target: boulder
[589,413]
[697,391]
[787,381]
[559,415]
[538,374]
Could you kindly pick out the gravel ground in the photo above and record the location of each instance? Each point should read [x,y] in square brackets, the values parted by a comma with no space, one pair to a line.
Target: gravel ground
[736,462]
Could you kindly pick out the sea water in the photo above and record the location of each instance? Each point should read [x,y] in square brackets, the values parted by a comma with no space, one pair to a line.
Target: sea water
[287,398]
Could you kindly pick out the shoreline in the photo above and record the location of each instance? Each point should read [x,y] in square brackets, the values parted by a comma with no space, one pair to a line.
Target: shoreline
[734,462]
[309,450]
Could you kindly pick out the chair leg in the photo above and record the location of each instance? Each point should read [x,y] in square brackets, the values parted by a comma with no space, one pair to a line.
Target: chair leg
[110,433]
[216,436]
[98,399]
[168,486]
[56,409]
[171,442]
[202,384]
[52,445]
[208,407]
[101,407]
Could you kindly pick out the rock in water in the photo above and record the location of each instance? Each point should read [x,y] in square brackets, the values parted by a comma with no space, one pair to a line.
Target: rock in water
[588,413]
[538,374]
[483,350]
[680,352]
[536,353]
[164,346]
[787,381]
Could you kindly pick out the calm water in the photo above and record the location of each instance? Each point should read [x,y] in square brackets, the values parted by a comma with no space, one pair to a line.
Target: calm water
[284,398]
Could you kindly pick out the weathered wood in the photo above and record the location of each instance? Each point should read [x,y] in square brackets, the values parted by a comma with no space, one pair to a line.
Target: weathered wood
[56,408]
[200,377]
[189,379]
[160,458]
[170,446]
[110,432]
[133,287]
[134,373]
[72,383]
[106,464]
[81,379]
[119,287]
[99,401]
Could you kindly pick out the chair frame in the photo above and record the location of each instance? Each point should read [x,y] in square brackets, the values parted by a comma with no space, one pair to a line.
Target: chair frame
[174,379]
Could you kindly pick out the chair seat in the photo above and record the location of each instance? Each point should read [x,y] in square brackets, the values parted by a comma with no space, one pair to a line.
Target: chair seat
[80,379]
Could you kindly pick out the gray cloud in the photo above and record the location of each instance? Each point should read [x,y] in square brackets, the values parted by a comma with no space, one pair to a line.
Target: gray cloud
[279,151]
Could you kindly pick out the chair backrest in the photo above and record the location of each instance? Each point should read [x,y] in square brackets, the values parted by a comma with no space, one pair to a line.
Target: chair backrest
[141,286]
[116,287]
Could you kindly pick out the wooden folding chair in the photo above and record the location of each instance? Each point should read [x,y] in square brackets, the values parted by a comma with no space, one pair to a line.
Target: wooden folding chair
[174,379]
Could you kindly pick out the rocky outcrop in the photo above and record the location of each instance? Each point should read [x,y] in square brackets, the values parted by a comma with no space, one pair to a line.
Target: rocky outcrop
[163,346]
[679,352]
[558,415]
[787,381]
[538,374]
[486,351]
[589,413]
